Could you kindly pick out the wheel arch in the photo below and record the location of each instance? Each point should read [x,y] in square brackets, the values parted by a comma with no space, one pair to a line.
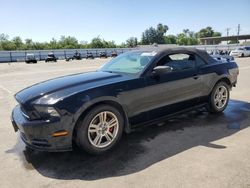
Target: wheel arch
[226,80]
[110,102]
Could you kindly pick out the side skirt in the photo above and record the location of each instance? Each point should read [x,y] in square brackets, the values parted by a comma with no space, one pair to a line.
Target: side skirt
[169,116]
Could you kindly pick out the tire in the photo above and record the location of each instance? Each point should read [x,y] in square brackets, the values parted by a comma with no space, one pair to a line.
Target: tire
[242,55]
[219,97]
[96,138]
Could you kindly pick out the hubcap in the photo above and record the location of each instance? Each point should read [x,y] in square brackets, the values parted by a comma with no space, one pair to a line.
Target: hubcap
[103,129]
[220,97]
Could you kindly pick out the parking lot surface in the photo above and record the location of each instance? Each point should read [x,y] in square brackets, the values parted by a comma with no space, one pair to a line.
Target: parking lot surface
[196,149]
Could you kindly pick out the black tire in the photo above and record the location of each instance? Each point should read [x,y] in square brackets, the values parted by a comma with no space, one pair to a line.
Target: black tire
[242,55]
[82,136]
[212,105]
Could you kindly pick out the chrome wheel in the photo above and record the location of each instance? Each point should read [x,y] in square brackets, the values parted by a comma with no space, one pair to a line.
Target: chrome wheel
[220,97]
[103,129]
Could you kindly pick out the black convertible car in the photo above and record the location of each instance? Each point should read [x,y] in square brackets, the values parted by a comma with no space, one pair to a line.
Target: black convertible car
[141,87]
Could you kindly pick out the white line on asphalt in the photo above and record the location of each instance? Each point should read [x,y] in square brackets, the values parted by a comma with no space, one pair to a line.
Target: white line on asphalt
[242,68]
[6,89]
[93,68]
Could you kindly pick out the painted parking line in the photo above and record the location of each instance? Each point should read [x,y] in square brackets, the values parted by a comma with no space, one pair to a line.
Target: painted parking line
[243,68]
[51,71]
[5,89]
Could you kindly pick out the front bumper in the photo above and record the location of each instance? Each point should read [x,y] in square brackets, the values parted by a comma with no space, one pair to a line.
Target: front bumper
[38,134]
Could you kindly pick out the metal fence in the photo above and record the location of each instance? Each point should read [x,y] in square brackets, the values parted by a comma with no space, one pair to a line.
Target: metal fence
[19,56]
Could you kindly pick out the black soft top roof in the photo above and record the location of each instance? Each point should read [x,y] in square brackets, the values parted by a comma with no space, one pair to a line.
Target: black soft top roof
[169,50]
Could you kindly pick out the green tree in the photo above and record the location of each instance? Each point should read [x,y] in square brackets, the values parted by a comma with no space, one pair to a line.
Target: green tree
[154,35]
[67,43]
[208,32]
[187,37]
[18,43]
[96,43]
[131,42]
[170,39]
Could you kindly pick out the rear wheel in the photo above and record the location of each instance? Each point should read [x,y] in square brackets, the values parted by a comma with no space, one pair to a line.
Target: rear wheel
[219,97]
[100,130]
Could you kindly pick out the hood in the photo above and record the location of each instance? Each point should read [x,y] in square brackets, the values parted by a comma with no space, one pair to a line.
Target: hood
[51,86]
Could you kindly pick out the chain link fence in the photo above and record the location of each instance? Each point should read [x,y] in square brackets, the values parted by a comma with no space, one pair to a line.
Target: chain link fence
[20,56]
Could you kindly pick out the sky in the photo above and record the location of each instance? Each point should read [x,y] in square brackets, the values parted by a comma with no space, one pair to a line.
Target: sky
[118,19]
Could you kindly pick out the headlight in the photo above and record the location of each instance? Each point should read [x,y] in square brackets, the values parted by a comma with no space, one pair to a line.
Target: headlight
[234,71]
[47,111]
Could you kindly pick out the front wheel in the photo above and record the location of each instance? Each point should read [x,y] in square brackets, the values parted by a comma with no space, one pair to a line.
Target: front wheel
[219,97]
[100,130]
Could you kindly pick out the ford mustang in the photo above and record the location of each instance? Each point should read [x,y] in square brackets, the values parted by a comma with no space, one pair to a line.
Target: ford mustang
[92,110]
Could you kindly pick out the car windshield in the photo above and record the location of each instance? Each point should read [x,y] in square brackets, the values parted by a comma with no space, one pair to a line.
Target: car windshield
[131,62]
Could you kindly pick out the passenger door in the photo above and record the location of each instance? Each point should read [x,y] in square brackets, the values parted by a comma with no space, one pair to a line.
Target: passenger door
[174,91]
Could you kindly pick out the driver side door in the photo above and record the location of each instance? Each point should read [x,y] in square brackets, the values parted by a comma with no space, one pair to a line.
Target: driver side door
[171,92]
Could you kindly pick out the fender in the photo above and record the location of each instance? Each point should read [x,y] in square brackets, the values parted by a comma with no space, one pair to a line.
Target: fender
[104,99]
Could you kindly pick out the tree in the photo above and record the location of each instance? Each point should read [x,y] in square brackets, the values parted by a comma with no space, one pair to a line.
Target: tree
[187,38]
[154,35]
[216,34]
[162,29]
[66,43]
[170,39]
[96,43]
[53,44]
[131,42]
[4,37]
[208,32]
[18,43]
[28,44]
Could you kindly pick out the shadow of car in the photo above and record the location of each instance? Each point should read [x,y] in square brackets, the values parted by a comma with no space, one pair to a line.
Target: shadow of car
[144,147]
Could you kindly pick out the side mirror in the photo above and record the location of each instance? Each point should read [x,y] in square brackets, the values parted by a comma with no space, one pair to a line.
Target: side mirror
[159,70]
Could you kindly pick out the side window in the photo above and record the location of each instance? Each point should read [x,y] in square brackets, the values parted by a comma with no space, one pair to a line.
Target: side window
[178,61]
[199,62]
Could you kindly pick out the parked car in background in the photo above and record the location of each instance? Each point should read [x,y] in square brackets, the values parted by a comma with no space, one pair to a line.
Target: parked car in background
[76,56]
[113,54]
[89,55]
[103,54]
[30,58]
[93,109]
[51,57]
[241,52]
[223,57]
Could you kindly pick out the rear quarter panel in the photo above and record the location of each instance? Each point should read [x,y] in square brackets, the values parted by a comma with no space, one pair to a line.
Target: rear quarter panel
[212,73]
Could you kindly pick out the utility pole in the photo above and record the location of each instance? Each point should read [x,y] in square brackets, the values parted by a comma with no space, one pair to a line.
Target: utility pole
[238,33]
[227,29]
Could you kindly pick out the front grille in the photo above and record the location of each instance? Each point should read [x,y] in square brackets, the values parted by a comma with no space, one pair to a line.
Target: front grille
[40,143]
